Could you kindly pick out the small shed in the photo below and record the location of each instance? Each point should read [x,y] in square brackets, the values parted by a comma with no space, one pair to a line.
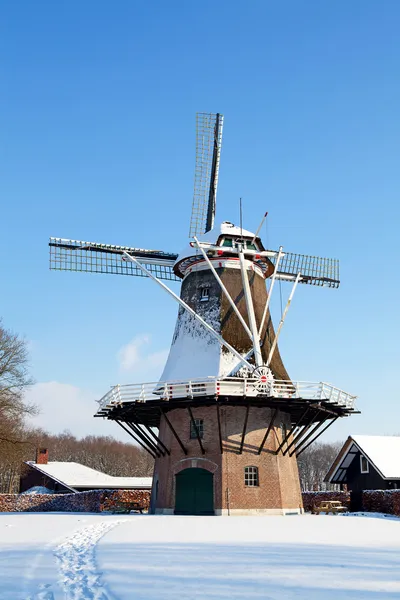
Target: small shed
[66,477]
[367,462]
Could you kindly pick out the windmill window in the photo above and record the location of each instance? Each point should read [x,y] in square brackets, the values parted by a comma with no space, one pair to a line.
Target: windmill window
[364,464]
[251,476]
[204,294]
[200,428]
[251,246]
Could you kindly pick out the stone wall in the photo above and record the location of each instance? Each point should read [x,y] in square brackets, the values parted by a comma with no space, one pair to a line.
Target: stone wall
[93,501]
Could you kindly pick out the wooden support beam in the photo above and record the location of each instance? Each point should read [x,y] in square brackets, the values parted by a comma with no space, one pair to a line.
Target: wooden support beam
[287,437]
[136,440]
[219,430]
[301,433]
[320,433]
[178,439]
[310,434]
[144,437]
[157,439]
[271,424]
[196,430]
[148,438]
[244,429]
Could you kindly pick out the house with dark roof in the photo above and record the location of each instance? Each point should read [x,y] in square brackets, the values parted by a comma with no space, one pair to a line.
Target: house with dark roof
[367,462]
[66,477]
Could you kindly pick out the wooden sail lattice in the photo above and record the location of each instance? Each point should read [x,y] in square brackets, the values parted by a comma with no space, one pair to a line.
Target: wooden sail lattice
[208,151]
[92,257]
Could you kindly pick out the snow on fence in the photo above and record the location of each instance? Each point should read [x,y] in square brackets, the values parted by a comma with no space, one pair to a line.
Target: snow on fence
[93,501]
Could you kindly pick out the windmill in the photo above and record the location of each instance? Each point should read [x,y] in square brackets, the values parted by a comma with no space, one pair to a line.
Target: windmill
[230,422]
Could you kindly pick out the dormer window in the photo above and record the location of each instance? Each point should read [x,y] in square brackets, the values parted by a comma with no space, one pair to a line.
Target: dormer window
[204,294]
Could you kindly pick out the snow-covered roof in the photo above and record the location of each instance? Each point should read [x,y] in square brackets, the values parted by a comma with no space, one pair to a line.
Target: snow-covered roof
[382,451]
[75,475]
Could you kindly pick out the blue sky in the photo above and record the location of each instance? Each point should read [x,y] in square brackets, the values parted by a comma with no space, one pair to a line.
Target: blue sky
[97,121]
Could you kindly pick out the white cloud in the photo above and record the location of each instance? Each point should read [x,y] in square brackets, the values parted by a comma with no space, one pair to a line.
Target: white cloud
[135,358]
[63,406]
[129,355]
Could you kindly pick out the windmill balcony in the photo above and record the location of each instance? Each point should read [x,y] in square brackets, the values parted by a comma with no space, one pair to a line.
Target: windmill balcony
[151,392]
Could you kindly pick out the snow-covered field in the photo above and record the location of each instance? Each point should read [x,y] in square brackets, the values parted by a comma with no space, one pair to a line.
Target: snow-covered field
[104,557]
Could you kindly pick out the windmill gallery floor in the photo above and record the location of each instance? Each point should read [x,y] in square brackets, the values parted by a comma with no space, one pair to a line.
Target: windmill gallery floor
[105,557]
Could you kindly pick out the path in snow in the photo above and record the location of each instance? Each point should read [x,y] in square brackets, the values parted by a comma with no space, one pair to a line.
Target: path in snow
[76,563]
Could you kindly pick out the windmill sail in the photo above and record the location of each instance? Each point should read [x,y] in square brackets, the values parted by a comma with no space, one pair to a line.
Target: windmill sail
[208,151]
[91,257]
[313,269]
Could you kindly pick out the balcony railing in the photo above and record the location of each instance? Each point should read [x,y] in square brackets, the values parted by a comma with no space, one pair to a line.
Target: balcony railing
[230,386]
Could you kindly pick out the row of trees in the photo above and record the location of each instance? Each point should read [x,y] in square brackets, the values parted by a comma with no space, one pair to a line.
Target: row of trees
[18,442]
[314,464]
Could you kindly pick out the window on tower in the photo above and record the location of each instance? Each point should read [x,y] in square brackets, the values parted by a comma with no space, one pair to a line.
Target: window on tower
[251,476]
[199,425]
[204,294]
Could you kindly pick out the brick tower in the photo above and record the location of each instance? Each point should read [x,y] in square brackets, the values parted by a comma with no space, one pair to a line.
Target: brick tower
[225,422]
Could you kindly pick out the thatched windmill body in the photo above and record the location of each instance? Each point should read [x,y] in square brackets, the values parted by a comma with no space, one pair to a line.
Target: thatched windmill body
[230,421]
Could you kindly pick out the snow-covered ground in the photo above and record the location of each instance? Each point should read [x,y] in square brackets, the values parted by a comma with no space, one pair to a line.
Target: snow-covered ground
[52,556]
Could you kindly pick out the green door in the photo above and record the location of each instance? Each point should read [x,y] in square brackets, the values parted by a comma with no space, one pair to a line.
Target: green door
[194,492]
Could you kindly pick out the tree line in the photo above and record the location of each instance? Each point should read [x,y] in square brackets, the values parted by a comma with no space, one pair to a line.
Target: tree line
[18,442]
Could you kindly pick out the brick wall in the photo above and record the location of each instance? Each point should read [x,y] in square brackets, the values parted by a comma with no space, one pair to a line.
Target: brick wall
[279,485]
[93,501]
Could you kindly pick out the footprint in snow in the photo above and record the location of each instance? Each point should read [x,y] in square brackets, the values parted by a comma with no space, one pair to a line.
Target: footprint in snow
[43,594]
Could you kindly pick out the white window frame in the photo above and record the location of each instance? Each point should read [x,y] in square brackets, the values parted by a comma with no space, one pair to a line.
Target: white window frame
[361,464]
[251,477]
[205,294]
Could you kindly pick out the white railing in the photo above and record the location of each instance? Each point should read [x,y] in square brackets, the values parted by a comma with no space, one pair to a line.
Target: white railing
[230,386]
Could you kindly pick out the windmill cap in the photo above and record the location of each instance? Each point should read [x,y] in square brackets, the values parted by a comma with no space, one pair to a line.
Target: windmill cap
[226,228]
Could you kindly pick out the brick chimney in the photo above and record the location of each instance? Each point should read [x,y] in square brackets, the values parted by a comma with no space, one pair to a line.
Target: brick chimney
[42,456]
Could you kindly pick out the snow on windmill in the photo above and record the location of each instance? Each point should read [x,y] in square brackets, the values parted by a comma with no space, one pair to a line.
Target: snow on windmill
[230,420]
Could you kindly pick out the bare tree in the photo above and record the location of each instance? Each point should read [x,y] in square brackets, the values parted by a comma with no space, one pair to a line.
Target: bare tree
[314,464]
[14,379]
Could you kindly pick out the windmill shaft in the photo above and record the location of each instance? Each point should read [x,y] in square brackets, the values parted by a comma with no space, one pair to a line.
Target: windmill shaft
[250,311]
[223,288]
[270,290]
[271,353]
